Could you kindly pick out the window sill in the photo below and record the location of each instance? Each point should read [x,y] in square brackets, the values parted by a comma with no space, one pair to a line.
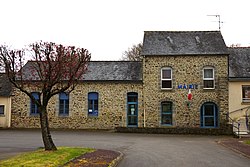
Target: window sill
[92,116]
[208,88]
[167,125]
[166,89]
[34,115]
[63,115]
[2,115]
[209,127]
[246,102]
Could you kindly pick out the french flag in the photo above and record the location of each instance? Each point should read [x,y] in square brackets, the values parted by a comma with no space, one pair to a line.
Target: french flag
[189,95]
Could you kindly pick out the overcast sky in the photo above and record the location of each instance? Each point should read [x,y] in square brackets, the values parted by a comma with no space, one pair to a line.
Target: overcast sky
[109,27]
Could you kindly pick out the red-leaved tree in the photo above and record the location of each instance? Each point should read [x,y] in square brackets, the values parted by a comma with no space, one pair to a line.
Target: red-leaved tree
[53,69]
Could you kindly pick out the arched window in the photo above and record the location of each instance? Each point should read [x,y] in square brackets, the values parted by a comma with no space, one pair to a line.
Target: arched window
[33,105]
[209,115]
[167,113]
[63,104]
[208,78]
[93,104]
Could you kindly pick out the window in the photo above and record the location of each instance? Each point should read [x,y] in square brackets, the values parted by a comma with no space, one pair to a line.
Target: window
[209,115]
[246,93]
[1,109]
[33,105]
[208,78]
[93,104]
[64,104]
[167,113]
[166,78]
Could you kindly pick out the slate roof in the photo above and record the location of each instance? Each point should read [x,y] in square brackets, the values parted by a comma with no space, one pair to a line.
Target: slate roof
[114,71]
[102,71]
[239,63]
[183,43]
[5,86]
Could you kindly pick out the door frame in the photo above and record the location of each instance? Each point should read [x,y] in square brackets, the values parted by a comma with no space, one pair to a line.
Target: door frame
[215,115]
[132,94]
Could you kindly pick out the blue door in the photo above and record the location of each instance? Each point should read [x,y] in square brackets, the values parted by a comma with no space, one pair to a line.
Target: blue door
[209,115]
[132,109]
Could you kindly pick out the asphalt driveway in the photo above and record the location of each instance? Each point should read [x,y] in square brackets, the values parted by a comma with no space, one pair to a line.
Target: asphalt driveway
[139,149]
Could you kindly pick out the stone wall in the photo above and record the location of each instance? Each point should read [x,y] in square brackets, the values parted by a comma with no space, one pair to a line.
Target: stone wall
[112,107]
[178,130]
[185,70]
[113,97]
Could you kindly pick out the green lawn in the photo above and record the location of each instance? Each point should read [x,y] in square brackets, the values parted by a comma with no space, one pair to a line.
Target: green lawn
[45,158]
[247,142]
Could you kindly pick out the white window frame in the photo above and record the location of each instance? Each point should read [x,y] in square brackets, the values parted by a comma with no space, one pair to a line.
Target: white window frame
[208,79]
[171,79]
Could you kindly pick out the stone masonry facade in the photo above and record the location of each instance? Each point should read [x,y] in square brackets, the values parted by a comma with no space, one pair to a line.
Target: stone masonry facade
[112,108]
[185,70]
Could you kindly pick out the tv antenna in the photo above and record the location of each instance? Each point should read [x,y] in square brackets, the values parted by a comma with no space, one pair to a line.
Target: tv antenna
[218,20]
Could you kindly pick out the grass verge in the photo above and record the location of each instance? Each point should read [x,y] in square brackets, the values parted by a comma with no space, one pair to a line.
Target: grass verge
[41,158]
[247,142]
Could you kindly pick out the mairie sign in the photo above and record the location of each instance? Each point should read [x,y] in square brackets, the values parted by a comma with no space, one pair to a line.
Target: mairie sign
[187,86]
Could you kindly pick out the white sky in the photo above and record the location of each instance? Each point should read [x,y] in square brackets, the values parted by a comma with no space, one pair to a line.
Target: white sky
[109,27]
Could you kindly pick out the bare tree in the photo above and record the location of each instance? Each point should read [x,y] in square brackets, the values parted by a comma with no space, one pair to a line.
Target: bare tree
[133,53]
[53,69]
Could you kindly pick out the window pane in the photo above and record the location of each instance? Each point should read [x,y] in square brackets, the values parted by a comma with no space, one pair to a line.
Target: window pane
[35,95]
[208,73]
[33,106]
[93,96]
[132,120]
[66,107]
[166,119]
[246,92]
[209,110]
[166,115]
[63,95]
[166,74]
[95,105]
[61,106]
[132,98]
[208,83]
[33,109]
[166,84]
[209,121]
[167,107]
[2,110]
[90,105]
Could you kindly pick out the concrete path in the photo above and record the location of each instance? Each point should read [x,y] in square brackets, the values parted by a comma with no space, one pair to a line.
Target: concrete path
[144,150]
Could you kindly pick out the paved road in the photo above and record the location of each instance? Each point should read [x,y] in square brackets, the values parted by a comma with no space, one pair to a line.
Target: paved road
[140,150]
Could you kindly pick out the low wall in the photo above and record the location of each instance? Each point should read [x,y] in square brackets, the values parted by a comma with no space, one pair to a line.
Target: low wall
[177,130]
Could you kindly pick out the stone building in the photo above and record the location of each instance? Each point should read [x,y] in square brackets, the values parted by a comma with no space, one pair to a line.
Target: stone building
[181,82]
[176,63]
[99,102]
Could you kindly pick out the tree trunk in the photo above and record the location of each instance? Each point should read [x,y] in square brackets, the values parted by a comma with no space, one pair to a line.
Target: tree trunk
[47,139]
